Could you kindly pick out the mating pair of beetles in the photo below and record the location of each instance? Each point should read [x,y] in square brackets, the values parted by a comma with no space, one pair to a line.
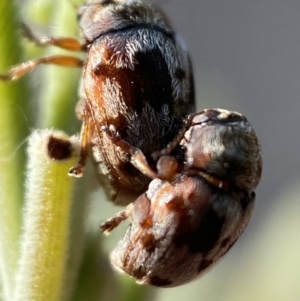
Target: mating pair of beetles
[187,178]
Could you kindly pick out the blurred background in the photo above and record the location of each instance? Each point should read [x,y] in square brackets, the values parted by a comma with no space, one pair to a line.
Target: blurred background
[246,57]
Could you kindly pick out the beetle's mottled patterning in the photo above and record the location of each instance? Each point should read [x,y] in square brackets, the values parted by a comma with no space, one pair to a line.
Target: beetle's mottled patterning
[138,81]
[189,181]
[181,226]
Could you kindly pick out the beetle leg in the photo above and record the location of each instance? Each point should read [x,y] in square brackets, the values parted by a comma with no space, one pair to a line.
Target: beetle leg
[170,147]
[137,159]
[115,221]
[77,170]
[60,60]
[61,42]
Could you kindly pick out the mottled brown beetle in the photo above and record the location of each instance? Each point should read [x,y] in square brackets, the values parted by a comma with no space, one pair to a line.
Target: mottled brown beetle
[194,209]
[137,81]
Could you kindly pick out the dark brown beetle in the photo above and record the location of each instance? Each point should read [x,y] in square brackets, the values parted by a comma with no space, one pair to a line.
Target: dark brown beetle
[194,209]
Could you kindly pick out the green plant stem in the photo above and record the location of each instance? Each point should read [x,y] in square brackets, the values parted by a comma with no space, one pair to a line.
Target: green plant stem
[13,129]
[44,242]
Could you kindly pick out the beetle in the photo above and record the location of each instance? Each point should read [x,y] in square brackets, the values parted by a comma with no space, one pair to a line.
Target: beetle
[137,80]
[195,208]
